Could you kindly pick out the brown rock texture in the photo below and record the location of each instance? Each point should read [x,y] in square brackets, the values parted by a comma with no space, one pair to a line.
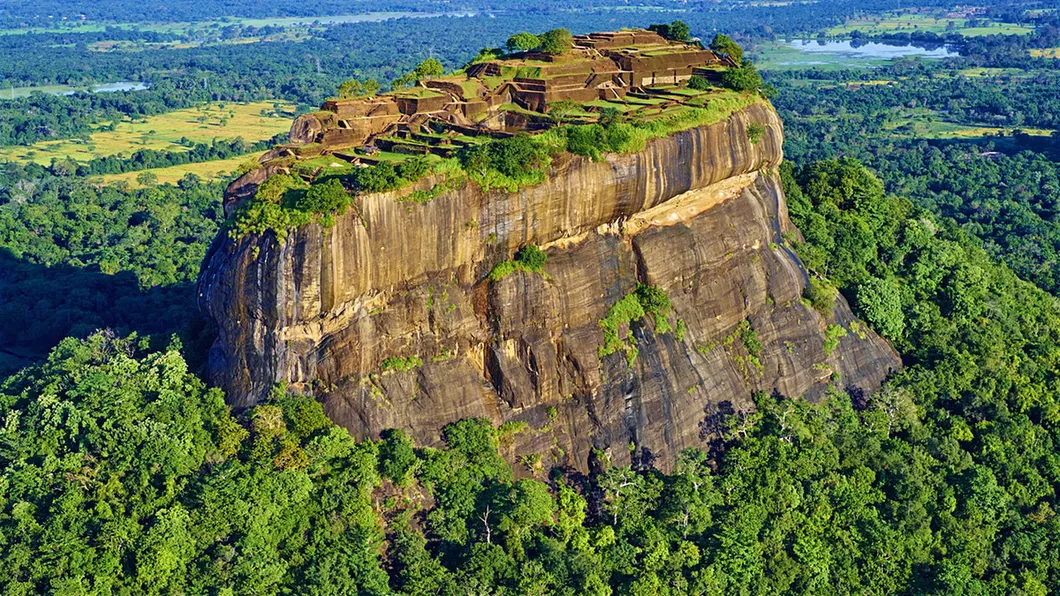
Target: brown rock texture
[699,214]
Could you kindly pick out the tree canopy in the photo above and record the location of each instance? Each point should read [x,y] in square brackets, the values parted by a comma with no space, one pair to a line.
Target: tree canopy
[723,44]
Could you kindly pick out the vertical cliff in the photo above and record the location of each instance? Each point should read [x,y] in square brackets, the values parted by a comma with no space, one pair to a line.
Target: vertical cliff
[699,214]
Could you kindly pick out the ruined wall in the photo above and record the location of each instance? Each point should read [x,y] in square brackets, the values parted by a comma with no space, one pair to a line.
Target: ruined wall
[699,214]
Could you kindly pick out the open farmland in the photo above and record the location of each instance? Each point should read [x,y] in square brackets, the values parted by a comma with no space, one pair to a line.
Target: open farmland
[251,121]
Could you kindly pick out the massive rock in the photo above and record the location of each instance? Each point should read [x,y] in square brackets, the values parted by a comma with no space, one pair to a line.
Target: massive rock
[700,214]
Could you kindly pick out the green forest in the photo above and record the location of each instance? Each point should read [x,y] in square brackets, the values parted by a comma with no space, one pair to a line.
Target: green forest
[927,194]
[123,473]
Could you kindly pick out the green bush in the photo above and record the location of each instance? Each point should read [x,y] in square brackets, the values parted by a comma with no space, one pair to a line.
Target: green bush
[590,140]
[699,83]
[879,301]
[276,189]
[755,131]
[529,258]
[430,67]
[380,177]
[642,301]
[511,162]
[327,197]
[397,456]
[745,78]
[821,294]
[402,364]
[532,257]
[831,338]
[414,168]
[522,42]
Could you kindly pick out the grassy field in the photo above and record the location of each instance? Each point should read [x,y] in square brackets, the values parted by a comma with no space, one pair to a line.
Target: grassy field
[1046,53]
[907,22]
[201,125]
[210,170]
[922,123]
[994,72]
[17,92]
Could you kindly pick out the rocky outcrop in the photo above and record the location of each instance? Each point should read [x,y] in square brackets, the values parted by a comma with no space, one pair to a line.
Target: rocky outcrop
[699,214]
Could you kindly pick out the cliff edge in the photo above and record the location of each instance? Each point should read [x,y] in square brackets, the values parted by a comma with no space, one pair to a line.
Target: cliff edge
[391,319]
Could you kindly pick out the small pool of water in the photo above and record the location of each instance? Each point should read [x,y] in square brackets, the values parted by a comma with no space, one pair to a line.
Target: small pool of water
[867,50]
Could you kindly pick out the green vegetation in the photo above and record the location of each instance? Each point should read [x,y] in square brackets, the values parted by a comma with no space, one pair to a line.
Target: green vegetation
[745,78]
[556,41]
[699,83]
[402,364]
[724,45]
[354,88]
[78,256]
[530,259]
[174,131]
[831,338]
[963,152]
[927,21]
[327,197]
[644,300]
[427,69]
[675,31]
[122,473]
[522,42]
[286,200]
[820,293]
[508,163]
[755,130]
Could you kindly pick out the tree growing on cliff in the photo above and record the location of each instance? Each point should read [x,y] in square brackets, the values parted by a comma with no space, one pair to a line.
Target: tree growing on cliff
[556,41]
[522,42]
[326,197]
[723,44]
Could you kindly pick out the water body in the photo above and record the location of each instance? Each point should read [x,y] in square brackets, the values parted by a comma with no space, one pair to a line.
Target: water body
[112,87]
[16,92]
[830,51]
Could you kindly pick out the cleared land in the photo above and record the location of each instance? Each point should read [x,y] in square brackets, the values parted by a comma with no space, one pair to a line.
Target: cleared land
[928,124]
[17,92]
[210,170]
[164,132]
[1046,53]
[905,22]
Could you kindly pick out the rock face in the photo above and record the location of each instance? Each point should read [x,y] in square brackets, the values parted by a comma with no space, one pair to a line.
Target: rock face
[699,214]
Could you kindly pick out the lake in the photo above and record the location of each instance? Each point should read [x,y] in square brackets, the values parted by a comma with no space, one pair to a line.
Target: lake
[112,87]
[826,51]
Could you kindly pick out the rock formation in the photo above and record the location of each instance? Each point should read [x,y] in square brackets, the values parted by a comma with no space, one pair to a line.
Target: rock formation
[699,214]
[499,97]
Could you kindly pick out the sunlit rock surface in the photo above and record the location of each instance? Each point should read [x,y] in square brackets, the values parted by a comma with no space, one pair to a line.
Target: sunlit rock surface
[700,214]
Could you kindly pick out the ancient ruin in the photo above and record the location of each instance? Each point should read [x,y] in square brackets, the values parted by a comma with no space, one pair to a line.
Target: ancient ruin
[636,71]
